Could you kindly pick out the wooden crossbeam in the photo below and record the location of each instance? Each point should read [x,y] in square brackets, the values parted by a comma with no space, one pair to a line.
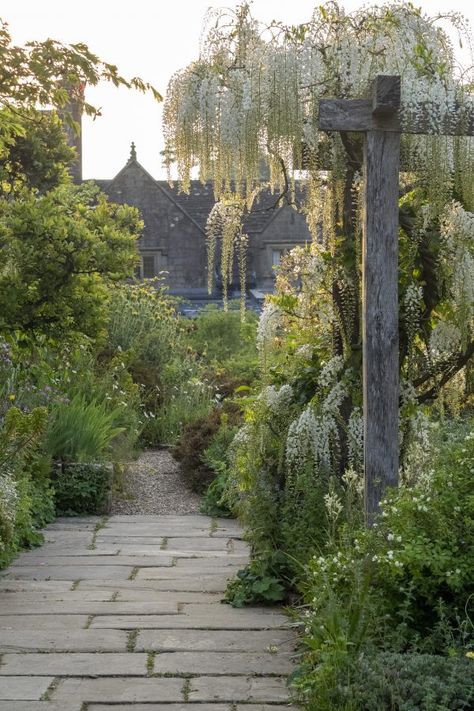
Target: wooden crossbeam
[359,115]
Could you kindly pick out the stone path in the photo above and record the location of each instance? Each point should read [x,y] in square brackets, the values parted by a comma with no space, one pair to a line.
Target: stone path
[125,614]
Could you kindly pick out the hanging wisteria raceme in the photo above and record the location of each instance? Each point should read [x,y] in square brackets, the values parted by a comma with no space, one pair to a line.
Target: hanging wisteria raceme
[255,90]
[457,261]
[225,225]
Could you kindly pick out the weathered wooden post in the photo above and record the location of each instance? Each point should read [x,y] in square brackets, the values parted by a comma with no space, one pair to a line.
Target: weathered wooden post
[378,118]
[379,274]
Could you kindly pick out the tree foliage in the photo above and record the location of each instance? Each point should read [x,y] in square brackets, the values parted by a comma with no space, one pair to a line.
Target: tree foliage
[59,250]
[50,74]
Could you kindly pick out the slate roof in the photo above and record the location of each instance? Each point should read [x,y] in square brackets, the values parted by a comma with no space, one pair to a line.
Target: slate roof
[200,200]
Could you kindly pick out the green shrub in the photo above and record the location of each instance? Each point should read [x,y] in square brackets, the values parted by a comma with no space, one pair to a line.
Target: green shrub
[26,501]
[403,586]
[82,489]
[81,431]
[399,682]
[424,541]
[259,583]
[412,682]
[223,341]
[187,401]
[195,439]
[218,500]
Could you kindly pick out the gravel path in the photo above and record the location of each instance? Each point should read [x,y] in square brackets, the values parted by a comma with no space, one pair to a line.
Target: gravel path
[153,485]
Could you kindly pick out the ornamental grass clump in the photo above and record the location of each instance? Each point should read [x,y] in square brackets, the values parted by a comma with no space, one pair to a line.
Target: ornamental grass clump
[81,431]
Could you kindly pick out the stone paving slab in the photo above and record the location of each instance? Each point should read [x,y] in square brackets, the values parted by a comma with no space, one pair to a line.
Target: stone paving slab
[74,607]
[74,664]
[42,706]
[232,545]
[159,531]
[52,598]
[48,586]
[212,564]
[130,561]
[190,707]
[42,622]
[218,663]
[52,552]
[234,689]
[66,572]
[62,640]
[119,541]
[227,570]
[228,620]
[117,690]
[215,640]
[24,688]
[149,595]
[75,525]
[215,584]
[160,707]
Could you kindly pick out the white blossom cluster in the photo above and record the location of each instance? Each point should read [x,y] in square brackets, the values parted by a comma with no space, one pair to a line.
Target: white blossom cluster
[445,339]
[277,399]
[416,465]
[255,90]
[412,309]
[268,326]
[457,233]
[355,439]
[225,223]
[354,480]
[330,372]
[334,506]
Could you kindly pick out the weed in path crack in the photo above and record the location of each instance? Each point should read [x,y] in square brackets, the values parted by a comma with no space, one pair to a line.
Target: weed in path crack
[50,690]
[186,690]
[99,525]
[164,544]
[132,640]
[89,622]
[214,527]
[134,573]
[75,584]
[150,663]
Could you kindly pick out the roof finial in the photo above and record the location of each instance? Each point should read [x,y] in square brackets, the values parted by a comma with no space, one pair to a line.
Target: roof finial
[133,152]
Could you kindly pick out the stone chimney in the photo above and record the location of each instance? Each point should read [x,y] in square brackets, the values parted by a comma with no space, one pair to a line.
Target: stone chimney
[74,110]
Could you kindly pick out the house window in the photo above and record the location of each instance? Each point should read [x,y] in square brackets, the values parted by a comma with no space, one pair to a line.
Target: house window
[277,255]
[149,267]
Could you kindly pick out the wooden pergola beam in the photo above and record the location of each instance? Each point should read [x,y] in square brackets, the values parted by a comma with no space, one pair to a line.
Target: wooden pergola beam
[378,118]
[359,115]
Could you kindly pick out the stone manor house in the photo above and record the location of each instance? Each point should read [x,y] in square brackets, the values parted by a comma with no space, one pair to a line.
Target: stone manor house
[174,238]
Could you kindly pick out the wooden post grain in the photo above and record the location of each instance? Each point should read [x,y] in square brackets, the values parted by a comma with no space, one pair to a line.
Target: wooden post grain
[380,315]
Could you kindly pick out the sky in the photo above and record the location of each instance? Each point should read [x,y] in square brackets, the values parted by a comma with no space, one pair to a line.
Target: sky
[151,39]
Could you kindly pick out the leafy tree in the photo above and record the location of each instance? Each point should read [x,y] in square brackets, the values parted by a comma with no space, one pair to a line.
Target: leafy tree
[39,158]
[59,251]
[60,244]
[47,74]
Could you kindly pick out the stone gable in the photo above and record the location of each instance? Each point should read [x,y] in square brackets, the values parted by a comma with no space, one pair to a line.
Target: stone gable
[173,239]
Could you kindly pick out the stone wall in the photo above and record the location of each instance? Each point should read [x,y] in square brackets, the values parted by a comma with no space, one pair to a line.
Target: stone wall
[174,241]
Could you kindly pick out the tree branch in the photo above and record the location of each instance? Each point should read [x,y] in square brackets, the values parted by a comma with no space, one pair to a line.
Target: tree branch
[450,369]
